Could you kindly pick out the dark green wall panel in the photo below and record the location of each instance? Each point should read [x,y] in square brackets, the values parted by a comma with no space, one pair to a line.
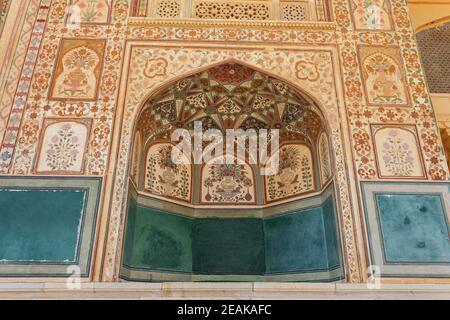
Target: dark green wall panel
[296,242]
[40,225]
[228,246]
[331,233]
[414,228]
[160,241]
[408,227]
[128,250]
[305,241]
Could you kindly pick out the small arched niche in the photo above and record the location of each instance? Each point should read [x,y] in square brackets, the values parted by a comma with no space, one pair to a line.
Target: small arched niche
[226,218]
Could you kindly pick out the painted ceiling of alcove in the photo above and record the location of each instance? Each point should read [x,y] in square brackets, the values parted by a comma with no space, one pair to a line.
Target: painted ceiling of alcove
[231,96]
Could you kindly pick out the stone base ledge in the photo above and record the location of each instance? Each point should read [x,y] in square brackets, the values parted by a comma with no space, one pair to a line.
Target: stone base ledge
[226,290]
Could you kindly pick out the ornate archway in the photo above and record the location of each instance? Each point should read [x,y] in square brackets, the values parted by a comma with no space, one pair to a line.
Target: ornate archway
[233,96]
[281,227]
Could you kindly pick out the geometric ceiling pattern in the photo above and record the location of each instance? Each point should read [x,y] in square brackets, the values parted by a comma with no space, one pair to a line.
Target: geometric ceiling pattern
[231,96]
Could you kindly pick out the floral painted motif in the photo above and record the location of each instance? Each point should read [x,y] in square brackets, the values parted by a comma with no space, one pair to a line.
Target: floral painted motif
[63,151]
[63,147]
[397,152]
[371,15]
[93,11]
[306,71]
[164,177]
[155,67]
[324,158]
[78,70]
[295,173]
[227,183]
[384,80]
[396,156]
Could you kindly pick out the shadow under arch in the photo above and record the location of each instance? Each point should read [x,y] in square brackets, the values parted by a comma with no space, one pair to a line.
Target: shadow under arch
[294,239]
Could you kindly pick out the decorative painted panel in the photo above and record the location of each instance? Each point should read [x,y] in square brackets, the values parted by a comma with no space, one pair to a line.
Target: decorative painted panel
[295,174]
[384,76]
[93,11]
[397,152]
[165,178]
[324,158]
[227,183]
[78,69]
[63,146]
[371,15]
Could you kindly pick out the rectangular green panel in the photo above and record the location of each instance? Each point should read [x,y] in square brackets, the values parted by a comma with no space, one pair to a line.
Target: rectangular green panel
[414,228]
[296,242]
[228,246]
[299,246]
[158,240]
[129,234]
[331,234]
[41,225]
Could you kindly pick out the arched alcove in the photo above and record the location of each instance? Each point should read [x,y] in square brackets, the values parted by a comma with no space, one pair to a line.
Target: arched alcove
[229,221]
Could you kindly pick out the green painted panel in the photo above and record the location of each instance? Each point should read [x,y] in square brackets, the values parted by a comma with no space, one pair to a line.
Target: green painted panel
[232,249]
[414,228]
[331,234]
[296,242]
[161,241]
[228,246]
[40,225]
[129,234]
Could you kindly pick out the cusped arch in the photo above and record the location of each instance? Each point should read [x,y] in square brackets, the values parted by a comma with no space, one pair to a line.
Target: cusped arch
[170,82]
[232,95]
